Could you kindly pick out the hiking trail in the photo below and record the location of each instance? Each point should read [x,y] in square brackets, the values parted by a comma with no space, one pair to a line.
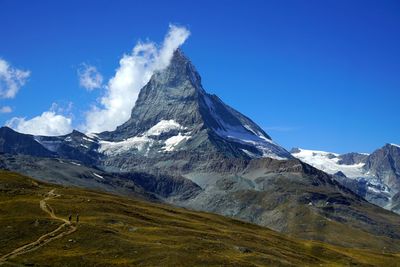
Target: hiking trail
[65,229]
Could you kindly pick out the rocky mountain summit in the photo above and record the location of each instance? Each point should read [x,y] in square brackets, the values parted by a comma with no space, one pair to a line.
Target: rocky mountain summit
[174,116]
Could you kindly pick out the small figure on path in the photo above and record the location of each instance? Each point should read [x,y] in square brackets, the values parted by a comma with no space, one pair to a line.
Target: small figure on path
[70,218]
[77,218]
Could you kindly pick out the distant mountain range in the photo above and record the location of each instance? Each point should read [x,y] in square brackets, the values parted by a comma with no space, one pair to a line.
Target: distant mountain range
[186,147]
[375,177]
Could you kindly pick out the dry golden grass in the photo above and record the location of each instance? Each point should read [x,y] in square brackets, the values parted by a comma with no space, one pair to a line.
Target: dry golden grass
[118,231]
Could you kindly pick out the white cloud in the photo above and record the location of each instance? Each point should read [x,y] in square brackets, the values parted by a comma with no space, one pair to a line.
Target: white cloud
[5,109]
[63,108]
[11,79]
[89,77]
[121,91]
[134,71]
[49,123]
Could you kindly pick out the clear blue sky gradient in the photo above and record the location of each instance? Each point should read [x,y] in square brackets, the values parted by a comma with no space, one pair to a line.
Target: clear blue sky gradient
[314,74]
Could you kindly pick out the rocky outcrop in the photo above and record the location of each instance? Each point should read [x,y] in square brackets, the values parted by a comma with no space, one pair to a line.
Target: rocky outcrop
[16,143]
[384,163]
[352,158]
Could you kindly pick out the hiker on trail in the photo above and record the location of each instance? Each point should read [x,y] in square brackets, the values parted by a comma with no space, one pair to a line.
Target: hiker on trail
[70,218]
[77,217]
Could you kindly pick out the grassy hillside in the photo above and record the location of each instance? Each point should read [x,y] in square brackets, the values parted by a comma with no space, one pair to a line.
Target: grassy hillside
[117,231]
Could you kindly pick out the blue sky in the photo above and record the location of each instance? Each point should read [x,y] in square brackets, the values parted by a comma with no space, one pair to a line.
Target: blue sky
[314,74]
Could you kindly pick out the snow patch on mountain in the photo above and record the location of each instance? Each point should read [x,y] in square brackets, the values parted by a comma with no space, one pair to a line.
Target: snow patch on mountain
[164,126]
[173,141]
[250,154]
[329,163]
[115,148]
[395,145]
[88,139]
[257,133]
[244,134]
[92,136]
[241,135]
[98,176]
[147,140]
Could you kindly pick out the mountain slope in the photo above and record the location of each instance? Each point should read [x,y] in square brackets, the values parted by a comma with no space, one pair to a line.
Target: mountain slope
[376,177]
[294,198]
[74,146]
[116,231]
[74,173]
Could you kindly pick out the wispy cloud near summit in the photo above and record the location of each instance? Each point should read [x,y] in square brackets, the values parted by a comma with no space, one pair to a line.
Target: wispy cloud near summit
[119,95]
[134,71]
[89,77]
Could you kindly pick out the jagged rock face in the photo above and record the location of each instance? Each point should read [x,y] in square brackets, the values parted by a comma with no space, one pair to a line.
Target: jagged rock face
[352,158]
[174,93]
[175,118]
[384,163]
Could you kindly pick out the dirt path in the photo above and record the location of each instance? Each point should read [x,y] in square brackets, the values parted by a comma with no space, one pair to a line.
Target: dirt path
[65,229]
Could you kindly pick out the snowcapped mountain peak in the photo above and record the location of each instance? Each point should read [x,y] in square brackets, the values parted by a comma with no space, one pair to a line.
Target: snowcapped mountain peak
[174,126]
[174,100]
